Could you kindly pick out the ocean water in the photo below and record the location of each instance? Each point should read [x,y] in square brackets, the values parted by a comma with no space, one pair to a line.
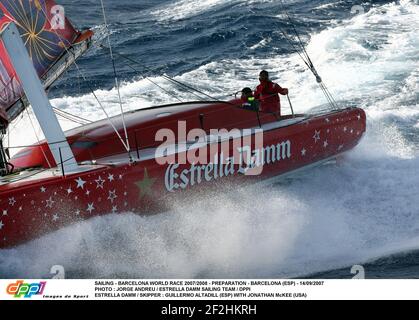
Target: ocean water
[317,225]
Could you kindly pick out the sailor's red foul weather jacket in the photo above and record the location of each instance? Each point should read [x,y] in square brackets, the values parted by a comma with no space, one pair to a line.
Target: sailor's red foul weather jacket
[268,94]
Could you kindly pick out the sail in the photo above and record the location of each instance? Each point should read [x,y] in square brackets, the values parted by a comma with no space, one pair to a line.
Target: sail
[47,35]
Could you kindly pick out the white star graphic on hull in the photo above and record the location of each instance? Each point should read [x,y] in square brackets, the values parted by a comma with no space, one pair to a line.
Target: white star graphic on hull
[112,196]
[5,212]
[303,152]
[359,117]
[111,177]
[316,136]
[90,207]
[69,190]
[114,209]
[100,183]
[77,212]
[55,217]
[43,189]
[325,144]
[80,183]
[50,202]
[12,201]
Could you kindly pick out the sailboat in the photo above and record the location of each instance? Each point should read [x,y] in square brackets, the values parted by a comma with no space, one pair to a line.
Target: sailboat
[142,160]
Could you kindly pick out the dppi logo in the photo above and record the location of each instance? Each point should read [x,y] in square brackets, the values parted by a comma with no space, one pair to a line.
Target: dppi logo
[19,289]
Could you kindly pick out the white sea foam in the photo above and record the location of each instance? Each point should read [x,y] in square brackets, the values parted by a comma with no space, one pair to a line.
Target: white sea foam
[186,8]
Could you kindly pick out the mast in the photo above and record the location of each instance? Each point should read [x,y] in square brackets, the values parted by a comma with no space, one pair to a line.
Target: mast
[38,98]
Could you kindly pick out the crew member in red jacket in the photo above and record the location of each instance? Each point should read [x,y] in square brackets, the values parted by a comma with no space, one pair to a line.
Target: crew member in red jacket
[268,94]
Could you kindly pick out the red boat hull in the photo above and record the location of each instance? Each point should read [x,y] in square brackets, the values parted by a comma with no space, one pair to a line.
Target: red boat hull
[34,206]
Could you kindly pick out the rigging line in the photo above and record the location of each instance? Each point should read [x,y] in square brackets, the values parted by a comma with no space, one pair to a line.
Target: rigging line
[328,98]
[179,83]
[301,43]
[37,138]
[72,115]
[291,106]
[304,52]
[160,87]
[294,47]
[328,95]
[154,83]
[69,118]
[303,56]
[190,87]
[309,62]
[116,76]
[310,66]
[191,90]
[164,76]
[331,96]
[90,88]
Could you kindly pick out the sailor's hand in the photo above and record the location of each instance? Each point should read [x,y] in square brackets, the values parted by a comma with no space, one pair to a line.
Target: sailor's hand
[285,91]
